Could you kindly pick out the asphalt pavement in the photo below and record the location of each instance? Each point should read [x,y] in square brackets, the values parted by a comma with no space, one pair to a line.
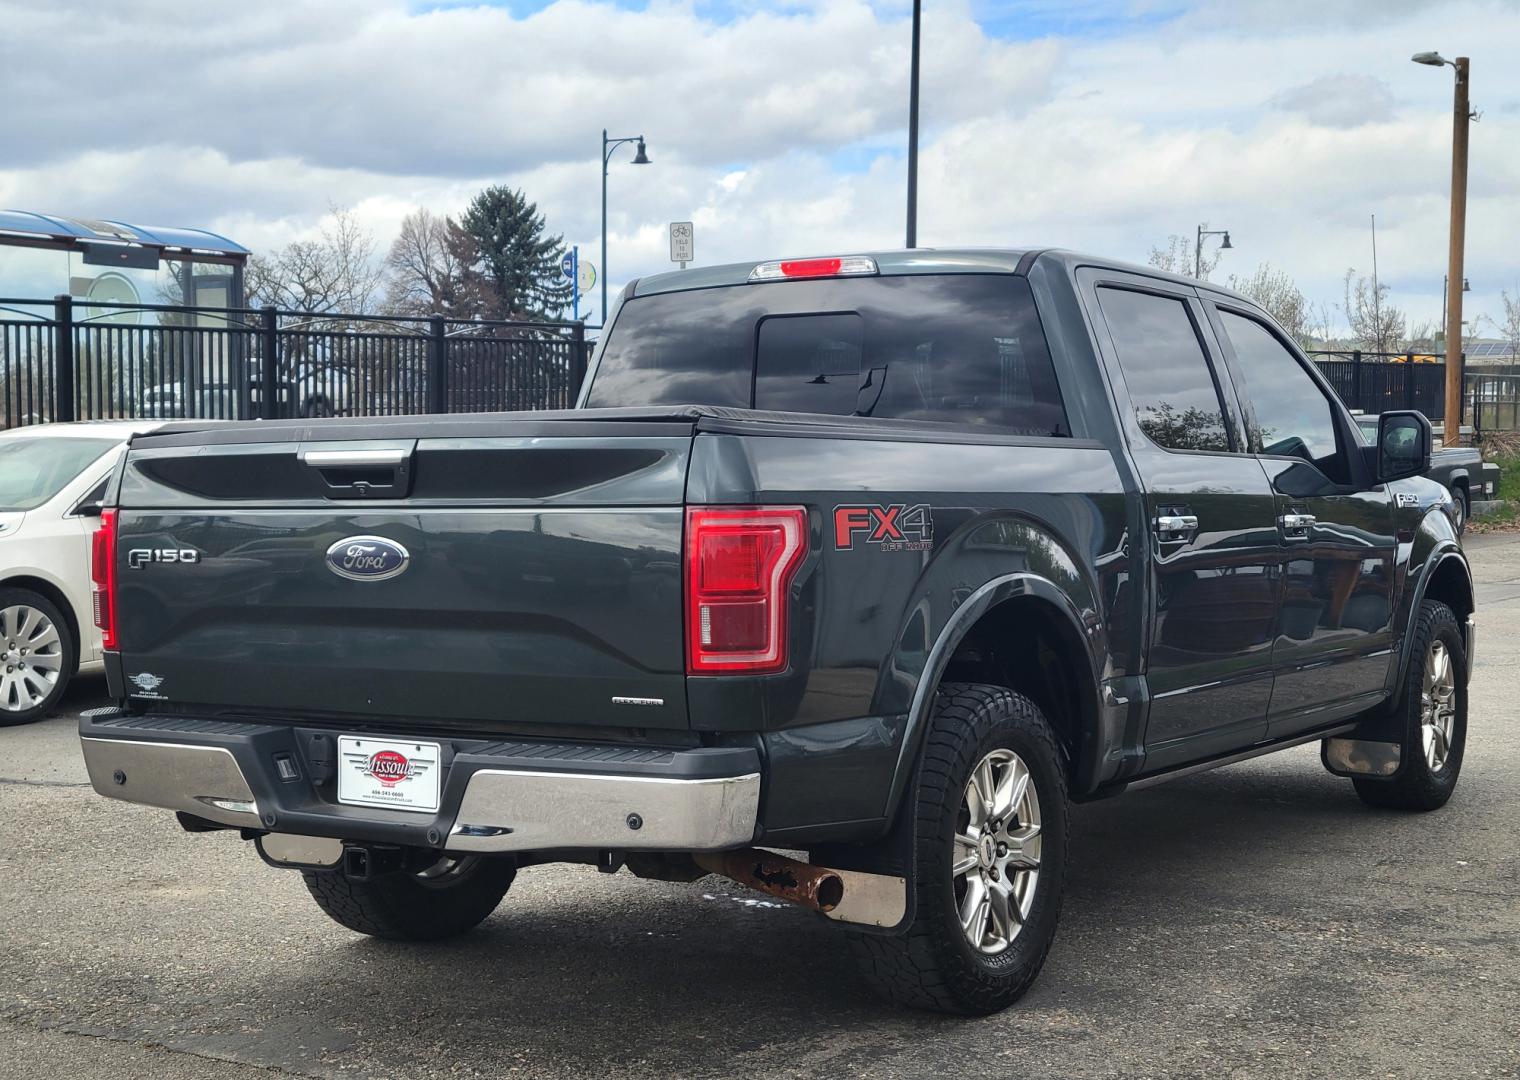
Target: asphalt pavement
[1252,921]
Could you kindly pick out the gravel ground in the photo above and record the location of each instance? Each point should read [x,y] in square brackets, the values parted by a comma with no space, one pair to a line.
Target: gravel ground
[1252,921]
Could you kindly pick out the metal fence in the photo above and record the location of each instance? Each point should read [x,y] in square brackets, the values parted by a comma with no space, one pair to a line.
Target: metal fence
[1377,382]
[1493,401]
[64,359]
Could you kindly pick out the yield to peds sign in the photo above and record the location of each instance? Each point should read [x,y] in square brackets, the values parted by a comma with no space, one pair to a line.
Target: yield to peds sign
[683,242]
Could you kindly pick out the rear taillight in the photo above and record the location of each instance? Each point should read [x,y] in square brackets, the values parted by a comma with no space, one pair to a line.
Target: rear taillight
[103,577]
[740,562]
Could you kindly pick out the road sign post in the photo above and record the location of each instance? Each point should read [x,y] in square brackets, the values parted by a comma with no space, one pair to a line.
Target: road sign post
[569,267]
[683,243]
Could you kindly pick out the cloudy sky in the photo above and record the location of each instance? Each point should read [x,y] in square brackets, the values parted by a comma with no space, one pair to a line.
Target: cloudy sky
[779,127]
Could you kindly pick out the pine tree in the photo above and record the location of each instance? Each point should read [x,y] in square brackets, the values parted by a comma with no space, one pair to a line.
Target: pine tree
[520,262]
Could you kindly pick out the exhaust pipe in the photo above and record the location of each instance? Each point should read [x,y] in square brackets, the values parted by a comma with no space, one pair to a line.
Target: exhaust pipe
[811,886]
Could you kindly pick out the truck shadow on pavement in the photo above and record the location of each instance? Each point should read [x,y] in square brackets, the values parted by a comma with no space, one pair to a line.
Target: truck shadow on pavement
[659,969]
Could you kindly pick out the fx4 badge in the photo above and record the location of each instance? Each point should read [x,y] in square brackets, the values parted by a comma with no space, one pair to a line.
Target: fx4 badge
[140,557]
[894,527]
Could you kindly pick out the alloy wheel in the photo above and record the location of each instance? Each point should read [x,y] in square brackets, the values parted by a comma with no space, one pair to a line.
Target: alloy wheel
[1438,705]
[31,658]
[997,851]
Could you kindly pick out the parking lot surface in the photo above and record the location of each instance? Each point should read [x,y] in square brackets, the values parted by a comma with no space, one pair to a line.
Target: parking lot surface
[1252,921]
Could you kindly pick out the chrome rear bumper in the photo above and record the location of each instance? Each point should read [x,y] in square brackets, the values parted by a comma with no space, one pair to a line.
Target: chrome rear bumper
[674,803]
[201,780]
[526,811]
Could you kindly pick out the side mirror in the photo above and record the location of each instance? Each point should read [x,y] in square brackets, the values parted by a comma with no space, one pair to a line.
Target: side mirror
[1403,446]
[88,509]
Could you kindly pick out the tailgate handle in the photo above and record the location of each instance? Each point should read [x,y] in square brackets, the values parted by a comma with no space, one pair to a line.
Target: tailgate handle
[381,472]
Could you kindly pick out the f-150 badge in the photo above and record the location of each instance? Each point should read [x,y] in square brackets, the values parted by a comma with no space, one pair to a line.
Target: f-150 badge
[891,527]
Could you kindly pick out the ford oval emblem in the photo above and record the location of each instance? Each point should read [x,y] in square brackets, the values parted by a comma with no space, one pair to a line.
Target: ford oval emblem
[367,558]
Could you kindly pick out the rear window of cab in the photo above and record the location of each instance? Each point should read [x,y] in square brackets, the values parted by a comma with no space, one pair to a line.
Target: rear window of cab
[966,349]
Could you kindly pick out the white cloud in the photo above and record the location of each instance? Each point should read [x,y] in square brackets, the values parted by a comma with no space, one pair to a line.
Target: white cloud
[778,132]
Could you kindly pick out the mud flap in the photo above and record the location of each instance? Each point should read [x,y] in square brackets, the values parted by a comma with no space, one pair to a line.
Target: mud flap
[1370,759]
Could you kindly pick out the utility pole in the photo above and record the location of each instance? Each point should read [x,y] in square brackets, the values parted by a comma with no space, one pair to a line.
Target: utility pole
[1461,115]
[913,132]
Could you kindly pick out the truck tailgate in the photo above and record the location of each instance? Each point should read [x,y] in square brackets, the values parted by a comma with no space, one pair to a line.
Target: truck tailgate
[511,578]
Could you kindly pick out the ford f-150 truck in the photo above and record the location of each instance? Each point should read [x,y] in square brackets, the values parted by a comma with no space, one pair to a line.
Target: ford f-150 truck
[844,579]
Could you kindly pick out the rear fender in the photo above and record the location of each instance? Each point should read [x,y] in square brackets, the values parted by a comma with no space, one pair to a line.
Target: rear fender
[1036,568]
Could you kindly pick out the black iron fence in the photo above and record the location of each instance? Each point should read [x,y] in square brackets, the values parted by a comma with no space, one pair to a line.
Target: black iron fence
[65,359]
[1379,382]
[1376,382]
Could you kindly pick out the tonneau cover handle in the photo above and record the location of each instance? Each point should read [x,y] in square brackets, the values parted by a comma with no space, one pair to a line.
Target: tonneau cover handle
[338,459]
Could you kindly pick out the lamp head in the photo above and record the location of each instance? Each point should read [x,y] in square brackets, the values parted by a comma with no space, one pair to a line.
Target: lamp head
[1429,59]
[1226,246]
[641,158]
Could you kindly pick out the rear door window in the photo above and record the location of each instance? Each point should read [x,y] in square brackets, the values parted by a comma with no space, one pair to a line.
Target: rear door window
[959,348]
[1171,385]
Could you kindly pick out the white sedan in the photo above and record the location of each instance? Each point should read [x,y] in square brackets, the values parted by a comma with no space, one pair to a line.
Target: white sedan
[52,478]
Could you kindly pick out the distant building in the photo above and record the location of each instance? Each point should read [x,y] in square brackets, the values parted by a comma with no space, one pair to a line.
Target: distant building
[113,263]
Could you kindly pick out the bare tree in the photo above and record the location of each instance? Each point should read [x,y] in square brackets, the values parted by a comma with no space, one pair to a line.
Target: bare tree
[1421,338]
[335,273]
[425,269]
[1509,325]
[1276,292]
[1178,257]
[1376,325]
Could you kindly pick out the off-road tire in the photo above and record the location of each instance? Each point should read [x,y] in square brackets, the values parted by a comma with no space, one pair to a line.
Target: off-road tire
[1418,786]
[408,907]
[13,597]
[932,965]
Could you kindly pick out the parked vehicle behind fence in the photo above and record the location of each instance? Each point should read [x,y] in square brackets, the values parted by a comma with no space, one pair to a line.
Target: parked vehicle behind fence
[884,558]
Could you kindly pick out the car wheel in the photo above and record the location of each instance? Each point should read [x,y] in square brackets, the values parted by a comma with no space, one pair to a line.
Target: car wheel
[990,818]
[450,897]
[1460,508]
[1433,708]
[38,656]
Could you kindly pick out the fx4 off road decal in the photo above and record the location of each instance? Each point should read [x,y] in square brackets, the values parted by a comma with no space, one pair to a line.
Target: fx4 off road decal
[894,527]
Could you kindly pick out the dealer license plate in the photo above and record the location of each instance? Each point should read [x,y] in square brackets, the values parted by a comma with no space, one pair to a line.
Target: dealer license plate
[388,772]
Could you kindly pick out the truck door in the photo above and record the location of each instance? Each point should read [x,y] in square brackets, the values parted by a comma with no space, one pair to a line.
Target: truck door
[1214,552]
[1335,637]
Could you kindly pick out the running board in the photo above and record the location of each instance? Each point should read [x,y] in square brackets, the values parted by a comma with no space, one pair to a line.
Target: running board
[1243,755]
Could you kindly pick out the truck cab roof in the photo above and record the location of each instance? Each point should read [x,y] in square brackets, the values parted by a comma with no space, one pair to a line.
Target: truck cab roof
[904,261]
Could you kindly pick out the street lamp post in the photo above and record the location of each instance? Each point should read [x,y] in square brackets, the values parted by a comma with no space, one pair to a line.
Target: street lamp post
[1445,284]
[913,131]
[639,158]
[1198,248]
[1461,115]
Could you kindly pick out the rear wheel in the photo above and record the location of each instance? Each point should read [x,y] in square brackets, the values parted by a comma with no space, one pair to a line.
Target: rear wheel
[37,656]
[990,817]
[1461,507]
[448,898]
[1433,709]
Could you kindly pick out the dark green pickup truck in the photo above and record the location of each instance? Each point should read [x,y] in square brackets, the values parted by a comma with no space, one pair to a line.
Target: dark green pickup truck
[883,559]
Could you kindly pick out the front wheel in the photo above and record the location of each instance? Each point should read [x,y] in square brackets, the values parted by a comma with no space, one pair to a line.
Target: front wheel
[445,900]
[1433,711]
[37,656]
[1461,508]
[990,817]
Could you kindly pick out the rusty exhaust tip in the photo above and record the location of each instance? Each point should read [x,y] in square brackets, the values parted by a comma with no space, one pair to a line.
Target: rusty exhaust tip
[802,883]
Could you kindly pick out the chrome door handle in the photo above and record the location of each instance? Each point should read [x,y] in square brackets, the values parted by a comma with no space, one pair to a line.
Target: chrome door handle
[1296,525]
[1176,526]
